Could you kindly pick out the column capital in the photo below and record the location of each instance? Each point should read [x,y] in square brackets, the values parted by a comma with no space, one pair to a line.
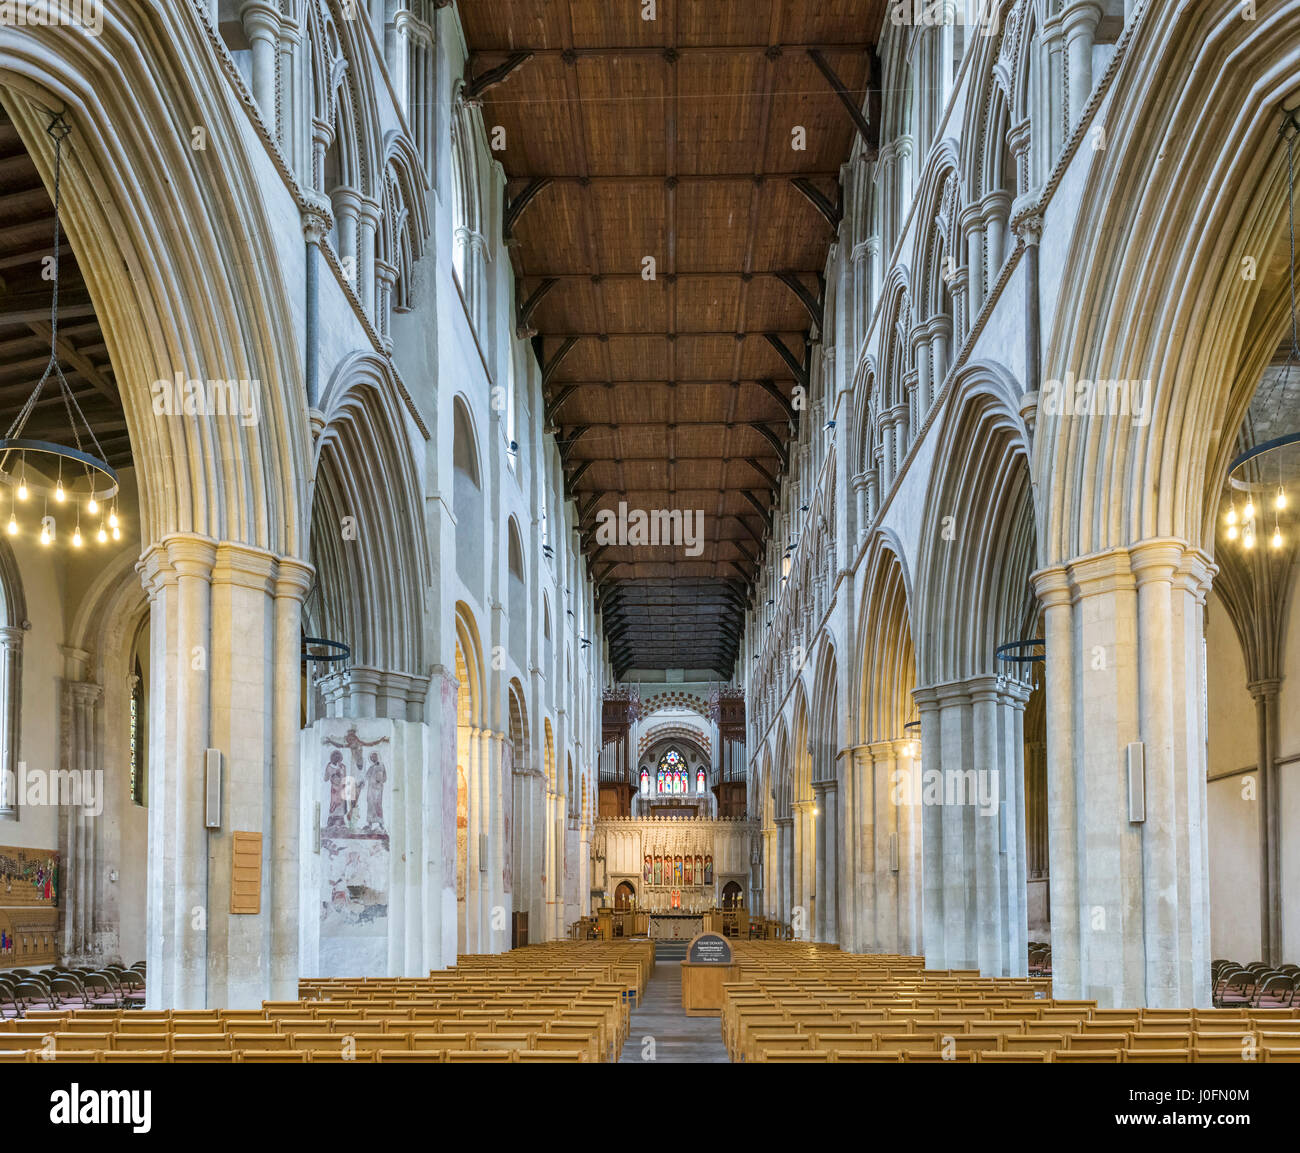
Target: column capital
[1052,586]
[260,18]
[1081,16]
[317,216]
[996,202]
[1029,227]
[346,200]
[190,555]
[1104,572]
[244,566]
[293,578]
[971,218]
[1264,689]
[84,692]
[1156,560]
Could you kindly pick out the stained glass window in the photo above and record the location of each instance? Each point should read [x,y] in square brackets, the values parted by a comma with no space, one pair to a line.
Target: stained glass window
[673,773]
[699,780]
[645,782]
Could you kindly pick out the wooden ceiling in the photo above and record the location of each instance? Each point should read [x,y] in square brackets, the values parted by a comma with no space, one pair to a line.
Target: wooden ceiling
[26,239]
[672,138]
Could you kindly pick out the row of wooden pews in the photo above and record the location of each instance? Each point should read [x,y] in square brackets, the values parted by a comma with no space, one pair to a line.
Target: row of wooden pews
[559,1002]
[798,1002]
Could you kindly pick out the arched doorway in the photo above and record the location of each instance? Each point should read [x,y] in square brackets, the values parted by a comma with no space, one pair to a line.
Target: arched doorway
[731,893]
[624,896]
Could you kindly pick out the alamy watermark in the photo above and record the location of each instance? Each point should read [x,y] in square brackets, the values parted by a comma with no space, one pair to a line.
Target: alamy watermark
[80,789]
[1080,396]
[975,788]
[657,526]
[87,14]
[230,398]
[981,14]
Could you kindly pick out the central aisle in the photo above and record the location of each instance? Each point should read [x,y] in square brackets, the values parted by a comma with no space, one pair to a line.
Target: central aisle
[677,1037]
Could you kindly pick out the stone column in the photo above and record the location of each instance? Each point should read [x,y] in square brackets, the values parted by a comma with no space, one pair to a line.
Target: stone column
[972,795]
[997,206]
[940,330]
[1079,22]
[818,823]
[291,585]
[1129,888]
[11,701]
[1270,892]
[860,506]
[899,442]
[212,605]
[292,117]
[972,224]
[369,222]
[1030,228]
[923,392]
[77,842]
[828,885]
[262,27]
[347,215]
[784,867]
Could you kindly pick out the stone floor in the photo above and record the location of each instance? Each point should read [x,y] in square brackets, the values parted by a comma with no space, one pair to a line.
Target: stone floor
[659,1018]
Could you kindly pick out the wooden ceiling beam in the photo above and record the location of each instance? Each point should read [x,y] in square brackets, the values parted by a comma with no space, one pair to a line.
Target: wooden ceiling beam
[523,321]
[811,302]
[758,468]
[763,511]
[520,201]
[557,358]
[770,388]
[830,209]
[774,440]
[474,88]
[793,363]
[841,90]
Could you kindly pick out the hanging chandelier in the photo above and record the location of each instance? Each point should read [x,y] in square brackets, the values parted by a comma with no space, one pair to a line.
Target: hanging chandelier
[1261,475]
[40,473]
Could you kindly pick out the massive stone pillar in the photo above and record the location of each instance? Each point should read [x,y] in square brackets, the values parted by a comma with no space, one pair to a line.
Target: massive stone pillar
[784,869]
[213,604]
[884,824]
[1126,775]
[971,789]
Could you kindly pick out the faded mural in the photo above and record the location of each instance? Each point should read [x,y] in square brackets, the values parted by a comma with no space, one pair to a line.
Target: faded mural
[355,849]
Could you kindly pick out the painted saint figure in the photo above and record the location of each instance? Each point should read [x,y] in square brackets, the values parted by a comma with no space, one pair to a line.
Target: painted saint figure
[376,775]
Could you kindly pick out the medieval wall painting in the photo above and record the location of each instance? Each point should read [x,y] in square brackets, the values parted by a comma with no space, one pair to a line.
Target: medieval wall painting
[356,796]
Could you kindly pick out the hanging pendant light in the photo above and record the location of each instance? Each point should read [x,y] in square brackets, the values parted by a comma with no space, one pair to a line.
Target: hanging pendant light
[71,474]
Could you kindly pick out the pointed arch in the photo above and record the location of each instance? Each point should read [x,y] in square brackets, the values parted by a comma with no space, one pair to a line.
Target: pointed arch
[974,592]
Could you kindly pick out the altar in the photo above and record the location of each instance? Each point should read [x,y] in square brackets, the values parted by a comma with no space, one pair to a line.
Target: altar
[675,926]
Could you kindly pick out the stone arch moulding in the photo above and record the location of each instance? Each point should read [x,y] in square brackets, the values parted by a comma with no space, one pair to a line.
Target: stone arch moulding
[171,288]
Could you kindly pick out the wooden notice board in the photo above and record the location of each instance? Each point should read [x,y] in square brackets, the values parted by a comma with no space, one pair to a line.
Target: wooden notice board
[246,873]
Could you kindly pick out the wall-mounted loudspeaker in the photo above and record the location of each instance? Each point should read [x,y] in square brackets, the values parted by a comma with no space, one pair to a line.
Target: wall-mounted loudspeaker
[1137,783]
[212,790]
